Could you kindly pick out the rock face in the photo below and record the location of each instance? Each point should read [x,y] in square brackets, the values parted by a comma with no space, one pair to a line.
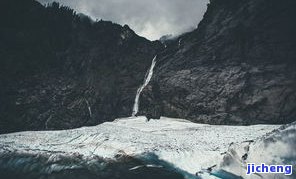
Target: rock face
[61,70]
[237,67]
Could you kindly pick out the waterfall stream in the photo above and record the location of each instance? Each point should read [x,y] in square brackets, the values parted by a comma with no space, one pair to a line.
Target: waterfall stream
[146,81]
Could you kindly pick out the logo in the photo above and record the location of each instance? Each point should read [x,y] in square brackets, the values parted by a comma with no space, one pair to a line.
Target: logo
[262,168]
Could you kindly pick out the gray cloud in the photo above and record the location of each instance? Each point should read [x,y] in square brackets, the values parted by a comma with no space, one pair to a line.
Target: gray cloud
[149,18]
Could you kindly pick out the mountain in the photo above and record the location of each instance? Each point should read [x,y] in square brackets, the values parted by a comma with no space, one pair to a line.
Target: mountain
[61,70]
[237,67]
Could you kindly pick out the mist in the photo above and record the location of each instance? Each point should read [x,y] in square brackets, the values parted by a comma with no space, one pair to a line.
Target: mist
[150,18]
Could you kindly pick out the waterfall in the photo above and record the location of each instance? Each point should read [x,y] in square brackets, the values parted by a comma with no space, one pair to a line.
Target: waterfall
[180,41]
[146,81]
[88,107]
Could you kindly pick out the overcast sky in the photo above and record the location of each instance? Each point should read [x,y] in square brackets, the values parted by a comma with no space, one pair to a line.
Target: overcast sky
[149,18]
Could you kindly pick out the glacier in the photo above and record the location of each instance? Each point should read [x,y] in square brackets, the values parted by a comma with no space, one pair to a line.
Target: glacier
[178,145]
[274,148]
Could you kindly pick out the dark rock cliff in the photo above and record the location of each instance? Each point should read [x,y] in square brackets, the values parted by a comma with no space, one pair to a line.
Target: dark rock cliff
[237,67]
[61,70]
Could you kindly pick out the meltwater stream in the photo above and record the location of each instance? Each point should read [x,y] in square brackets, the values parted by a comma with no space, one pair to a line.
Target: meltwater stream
[139,91]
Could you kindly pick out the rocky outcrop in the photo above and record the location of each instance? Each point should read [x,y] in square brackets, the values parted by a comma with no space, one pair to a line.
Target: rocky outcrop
[60,70]
[237,67]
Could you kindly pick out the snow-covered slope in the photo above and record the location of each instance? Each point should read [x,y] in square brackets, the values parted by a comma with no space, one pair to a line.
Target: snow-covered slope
[174,143]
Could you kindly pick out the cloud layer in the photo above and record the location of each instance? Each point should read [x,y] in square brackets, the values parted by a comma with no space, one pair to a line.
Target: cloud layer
[149,18]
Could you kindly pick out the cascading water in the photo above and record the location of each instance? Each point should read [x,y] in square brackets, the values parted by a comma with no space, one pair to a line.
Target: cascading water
[139,91]
[89,108]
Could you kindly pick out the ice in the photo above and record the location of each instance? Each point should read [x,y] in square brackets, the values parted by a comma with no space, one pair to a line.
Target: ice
[186,146]
[276,148]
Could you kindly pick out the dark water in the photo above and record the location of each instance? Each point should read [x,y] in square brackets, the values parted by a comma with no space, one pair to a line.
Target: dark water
[144,173]
[39,167]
